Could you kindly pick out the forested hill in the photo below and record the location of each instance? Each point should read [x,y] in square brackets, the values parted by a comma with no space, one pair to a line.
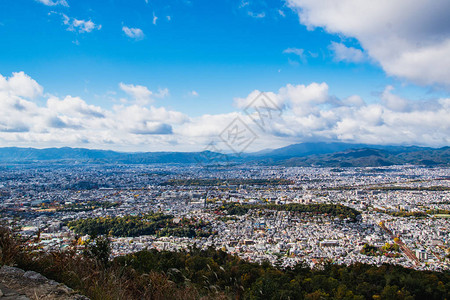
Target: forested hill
[370,157]
[306,154]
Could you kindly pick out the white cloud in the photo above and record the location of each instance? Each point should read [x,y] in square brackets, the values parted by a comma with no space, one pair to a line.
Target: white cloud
[74,107]
[255,15]
[155,18]
[193,93]
[298,52]
[70,121]
[409,38]
[309,112]
[207,127]
[146,121]
[251,9]
[134,33]
[305,94]
[393,102]
[54,3]
[80,26]
[141,94]
[242,103]
[20,85]
[162,93]
[244,4]
[346,54]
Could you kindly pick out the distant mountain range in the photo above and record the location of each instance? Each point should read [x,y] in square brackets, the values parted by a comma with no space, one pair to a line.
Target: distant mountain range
[371,157]
[355,155]
[305,154]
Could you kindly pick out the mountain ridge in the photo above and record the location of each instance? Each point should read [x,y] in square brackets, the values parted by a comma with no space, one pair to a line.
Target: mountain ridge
[304,154]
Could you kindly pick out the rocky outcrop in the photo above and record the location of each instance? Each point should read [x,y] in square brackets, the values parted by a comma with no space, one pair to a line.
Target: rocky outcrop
[18,284]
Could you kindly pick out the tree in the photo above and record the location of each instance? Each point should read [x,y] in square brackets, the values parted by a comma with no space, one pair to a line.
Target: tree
[99,248]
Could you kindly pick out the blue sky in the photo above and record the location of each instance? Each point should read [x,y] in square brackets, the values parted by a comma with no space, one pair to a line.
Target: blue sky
[198,58]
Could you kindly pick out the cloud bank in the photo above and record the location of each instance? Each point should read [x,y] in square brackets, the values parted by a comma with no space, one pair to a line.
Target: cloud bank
[29,117]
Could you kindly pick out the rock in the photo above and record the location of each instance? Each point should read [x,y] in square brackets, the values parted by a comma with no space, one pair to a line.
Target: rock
[52,282]
[80,297]
[34,276]
[16,284]
[10,294]
[11,271]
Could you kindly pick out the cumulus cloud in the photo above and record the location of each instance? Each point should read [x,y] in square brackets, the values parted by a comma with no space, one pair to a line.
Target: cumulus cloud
[311,113]
[252,98]
[21,85]
[302,99]
[308,112]
[80,26]
[154,128]
[141,94]
[147,121]
[54,3]
[346,54]
[209,126]
[409,38]
[136,114]
[305,96]
[300,53]
[134,33]
[392,101]
[74,107]
[71,121]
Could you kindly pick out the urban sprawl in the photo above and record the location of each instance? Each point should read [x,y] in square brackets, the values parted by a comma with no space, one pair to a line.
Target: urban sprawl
[245,210]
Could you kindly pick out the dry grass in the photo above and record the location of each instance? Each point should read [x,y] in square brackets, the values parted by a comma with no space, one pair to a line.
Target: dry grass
[89,277]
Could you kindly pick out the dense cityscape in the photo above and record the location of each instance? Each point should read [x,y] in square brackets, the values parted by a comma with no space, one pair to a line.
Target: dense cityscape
[396,215]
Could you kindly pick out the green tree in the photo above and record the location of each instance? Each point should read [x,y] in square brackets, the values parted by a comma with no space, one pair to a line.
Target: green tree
[99,248]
